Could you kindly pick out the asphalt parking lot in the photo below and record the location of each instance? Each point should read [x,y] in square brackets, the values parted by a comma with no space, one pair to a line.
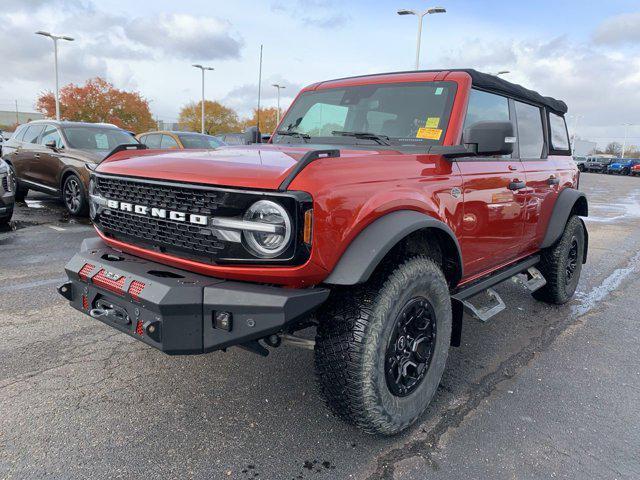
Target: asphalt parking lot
[538,392]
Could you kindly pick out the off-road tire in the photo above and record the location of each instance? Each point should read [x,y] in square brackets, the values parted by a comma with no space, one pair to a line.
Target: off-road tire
[553,265]
[73,186]
[20,191]
[354,332]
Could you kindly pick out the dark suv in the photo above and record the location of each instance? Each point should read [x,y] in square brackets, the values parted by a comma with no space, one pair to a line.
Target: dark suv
[50,157]
[6,193]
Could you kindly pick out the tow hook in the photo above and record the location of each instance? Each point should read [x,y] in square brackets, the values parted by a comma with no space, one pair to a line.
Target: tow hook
[104,311]
[66,290]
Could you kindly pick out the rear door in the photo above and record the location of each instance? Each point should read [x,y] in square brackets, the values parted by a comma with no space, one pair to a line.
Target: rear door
[544,173]
[494,196]
[25,161]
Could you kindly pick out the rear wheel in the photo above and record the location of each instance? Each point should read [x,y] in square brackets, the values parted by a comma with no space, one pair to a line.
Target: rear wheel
[561,264]
[74,196]
[381,348]
[20,192]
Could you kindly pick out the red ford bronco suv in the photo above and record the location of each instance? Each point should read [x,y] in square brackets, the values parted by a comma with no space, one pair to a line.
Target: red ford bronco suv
[382,209]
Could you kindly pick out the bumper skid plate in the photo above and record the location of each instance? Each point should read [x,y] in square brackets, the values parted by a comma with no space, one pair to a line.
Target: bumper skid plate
[176,311]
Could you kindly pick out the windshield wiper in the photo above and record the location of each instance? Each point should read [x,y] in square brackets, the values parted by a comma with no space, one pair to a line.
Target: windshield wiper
[303,136]
[381,139]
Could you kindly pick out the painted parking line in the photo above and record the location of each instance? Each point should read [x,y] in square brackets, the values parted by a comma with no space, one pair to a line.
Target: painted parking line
[27,285]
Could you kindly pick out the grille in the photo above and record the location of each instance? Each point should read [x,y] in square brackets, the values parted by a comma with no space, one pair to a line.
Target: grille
[182,239]
[173,197]
[5,183]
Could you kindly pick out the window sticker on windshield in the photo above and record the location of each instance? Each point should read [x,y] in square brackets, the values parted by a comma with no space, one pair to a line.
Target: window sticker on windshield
[432,122]
[439,91]
[429,133]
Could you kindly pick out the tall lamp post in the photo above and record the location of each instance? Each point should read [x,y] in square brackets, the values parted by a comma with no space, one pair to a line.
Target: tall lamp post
[279,87]
[624,142]
[421,16]
[202,68]
[55,39]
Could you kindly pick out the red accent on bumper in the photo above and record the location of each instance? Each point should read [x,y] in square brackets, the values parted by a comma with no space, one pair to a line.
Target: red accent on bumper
[115,286]
[84,272]
[135,289]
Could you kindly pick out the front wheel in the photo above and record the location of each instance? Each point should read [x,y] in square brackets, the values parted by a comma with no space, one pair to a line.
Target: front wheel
[381,348]
[74,196]
[561,264]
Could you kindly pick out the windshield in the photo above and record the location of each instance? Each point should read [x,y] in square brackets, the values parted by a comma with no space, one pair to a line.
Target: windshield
[97,138]
[410,114]
[199,141]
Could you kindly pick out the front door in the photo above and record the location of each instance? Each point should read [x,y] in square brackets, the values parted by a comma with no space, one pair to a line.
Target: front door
[49,164]
[494,196]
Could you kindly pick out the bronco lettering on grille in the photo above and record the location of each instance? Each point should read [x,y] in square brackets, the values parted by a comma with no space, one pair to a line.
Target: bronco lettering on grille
[159,212]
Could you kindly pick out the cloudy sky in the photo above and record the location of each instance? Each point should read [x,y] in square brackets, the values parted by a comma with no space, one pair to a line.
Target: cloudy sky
[585,54]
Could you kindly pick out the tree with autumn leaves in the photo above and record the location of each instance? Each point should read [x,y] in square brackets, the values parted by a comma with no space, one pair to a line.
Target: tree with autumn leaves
[217,118]
[98,101]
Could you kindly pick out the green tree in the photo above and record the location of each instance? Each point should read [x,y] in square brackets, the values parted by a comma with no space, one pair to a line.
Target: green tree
[217,118]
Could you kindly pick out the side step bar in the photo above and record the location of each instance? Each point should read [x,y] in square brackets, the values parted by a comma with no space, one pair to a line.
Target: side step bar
[523,270]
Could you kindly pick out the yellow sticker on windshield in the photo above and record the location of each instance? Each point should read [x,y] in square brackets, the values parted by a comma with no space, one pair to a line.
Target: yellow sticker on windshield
[432,122]
[429,133]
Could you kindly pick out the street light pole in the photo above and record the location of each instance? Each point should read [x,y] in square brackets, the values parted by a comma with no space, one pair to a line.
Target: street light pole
[624,142]
[421,16]
[279,87]
[55,39]
[202,68]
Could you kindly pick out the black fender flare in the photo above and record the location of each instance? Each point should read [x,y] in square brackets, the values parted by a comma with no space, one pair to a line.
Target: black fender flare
[564,206]
[371,245]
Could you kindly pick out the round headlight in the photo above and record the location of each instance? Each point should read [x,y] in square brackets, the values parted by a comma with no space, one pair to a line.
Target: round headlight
[273,241]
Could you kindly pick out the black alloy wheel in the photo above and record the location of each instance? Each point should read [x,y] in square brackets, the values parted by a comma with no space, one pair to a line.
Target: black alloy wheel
[411,347]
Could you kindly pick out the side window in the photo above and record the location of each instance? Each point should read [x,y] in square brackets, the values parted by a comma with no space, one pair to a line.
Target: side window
[530,136]
[143,139]
[152,141]
[32,133]
[51,134]
[559,136]
[168,142]
[19,133]
[486,107]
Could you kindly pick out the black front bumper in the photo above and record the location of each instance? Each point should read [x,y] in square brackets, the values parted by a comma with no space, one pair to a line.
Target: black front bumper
[176,311]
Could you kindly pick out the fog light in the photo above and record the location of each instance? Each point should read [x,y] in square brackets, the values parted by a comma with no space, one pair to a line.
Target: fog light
[223,320]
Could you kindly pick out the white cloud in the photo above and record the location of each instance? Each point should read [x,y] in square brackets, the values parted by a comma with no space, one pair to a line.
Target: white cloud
[186,36]
[244,98]
[619,30]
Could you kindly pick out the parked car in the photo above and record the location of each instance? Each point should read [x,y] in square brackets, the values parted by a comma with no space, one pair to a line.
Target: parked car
[580,161]
[622,166]
[597,164]
[50,157]
[6,193]
[635,170]
[232,138]
[170,140]
[382,207]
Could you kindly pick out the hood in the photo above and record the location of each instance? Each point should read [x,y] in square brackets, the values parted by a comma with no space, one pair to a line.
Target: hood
[254,166]
[94,156]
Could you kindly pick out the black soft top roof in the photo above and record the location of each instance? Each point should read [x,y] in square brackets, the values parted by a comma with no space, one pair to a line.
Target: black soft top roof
[496,84]
[493,83]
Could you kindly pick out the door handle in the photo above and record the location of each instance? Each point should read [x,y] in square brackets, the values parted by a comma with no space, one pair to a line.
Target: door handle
[37,155]
[517,185]
[553,180]
[513,168]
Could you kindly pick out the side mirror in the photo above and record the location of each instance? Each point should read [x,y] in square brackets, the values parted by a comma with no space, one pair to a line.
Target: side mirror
[490,138]
[51,144]
[251,135]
